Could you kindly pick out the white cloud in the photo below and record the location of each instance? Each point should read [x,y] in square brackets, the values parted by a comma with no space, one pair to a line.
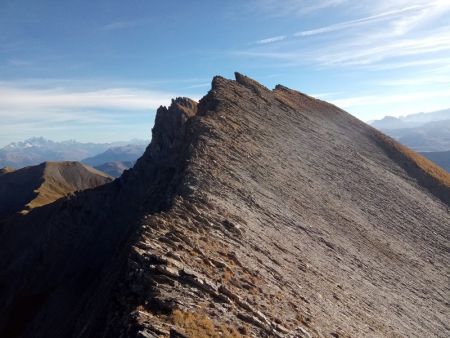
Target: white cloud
[293,7]
[199,85]
[122,24]
[12,99]
[61,110]
[389,31]
[412,63]
[384,103]
[359,22]
[389,99]
[370,50]
[417,81]
[285,56]
[271,40]
[19,62]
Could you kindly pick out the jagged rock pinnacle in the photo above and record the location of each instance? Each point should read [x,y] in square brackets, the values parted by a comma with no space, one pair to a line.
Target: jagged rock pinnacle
[169,128]
[250,83]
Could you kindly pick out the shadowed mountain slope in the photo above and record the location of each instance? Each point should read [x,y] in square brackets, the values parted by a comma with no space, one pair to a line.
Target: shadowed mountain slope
[116,168]
[254,213]
[30,187]
[6,170]
[130,152]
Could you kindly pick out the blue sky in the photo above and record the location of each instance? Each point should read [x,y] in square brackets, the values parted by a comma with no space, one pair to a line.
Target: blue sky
[97,70]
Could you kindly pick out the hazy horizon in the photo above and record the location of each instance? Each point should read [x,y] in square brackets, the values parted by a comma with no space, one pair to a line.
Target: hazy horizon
[112,142]
[148,138]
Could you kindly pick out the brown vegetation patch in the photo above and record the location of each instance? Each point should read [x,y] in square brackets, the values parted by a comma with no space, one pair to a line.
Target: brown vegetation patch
[201,326]
[428,174]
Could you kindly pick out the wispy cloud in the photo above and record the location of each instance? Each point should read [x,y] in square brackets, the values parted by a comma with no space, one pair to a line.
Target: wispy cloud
[388,34]
[443,79]
[199,85]
[326,95]
[271,39]
[12,99]
[19,62]
[366,51]
[360,22]
[293,56]
[55,109]
[383,102]
[411,63]
[293,7]
[80,85]
[19,104]
[389,99]
[363,52]
[122,24]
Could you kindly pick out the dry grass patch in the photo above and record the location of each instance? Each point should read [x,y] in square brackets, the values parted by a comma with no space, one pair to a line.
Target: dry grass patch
[227,275]
[201,326]
[424,164]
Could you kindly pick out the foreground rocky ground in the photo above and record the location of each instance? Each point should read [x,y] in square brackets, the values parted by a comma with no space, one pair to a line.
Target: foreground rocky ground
[253,213]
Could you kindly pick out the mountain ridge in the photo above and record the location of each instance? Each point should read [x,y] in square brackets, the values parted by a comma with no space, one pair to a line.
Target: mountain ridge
[129,152]
[25,189]
[421,132]
[252,213]
[36,150]
[411,120]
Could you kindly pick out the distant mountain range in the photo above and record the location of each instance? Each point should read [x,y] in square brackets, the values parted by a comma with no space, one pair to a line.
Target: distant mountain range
[430,136]
[411,121]
[427,133]
[37,150]
[127,153]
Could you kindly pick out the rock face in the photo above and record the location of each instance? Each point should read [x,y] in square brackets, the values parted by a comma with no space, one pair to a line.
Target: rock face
[255,212]
[35,186]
